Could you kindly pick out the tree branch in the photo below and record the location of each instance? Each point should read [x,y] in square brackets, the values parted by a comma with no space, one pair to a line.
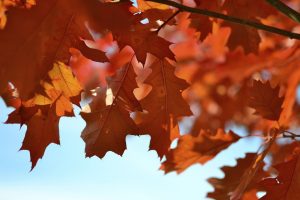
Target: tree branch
[231,19]
[169,19]
[289,12]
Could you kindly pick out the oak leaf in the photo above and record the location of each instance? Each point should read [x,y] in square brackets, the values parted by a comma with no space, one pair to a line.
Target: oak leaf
[225,186]
[265,100]
[144,41]
[62,88]
[246,9]
[286,185]
[192,149]
[42,129]
[165,105]
[108,121]
[42,36]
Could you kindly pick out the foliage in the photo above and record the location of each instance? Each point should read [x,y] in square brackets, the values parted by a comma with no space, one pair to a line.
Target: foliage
[142,68]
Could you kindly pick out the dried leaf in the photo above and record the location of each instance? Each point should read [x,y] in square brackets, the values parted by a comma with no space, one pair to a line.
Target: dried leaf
[197,149]
[265,100]
[165,105]
[108,121]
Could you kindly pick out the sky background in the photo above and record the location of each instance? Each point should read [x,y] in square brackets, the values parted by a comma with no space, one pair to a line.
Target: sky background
[65,174]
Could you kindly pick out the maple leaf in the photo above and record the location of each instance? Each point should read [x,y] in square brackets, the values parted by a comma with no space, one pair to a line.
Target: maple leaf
[225,186]
[109,121]
[192,149]
[63,87]
[265,100]
[22,114]
[165,105]
[144,41]
[201,22]
[246,9]
[42,129]
[45,35]
[250,40]
[285,185]
[113,16]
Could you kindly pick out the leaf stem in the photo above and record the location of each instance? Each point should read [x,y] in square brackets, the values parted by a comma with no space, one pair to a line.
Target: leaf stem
[231,19]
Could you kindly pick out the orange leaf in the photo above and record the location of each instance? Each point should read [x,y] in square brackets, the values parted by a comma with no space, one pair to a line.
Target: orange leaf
[164,105]
[265,100]
[286,185]
[197,149]
[108,121]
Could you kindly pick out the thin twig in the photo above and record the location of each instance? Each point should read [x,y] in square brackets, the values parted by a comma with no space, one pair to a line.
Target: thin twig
[289,12]
[168,20]
[289,134]
[231,19]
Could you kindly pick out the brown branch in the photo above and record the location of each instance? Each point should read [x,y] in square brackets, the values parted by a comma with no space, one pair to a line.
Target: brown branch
[231,19]
[281,7]
[289,134]
[168,20]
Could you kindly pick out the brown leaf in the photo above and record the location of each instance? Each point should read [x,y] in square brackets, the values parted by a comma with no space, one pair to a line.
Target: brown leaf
[41,36]
[265,100]
[42,129]
[197,149]
[225,186]
[286,185]
[165,105]
[144,41]
[246,9]
[108,121]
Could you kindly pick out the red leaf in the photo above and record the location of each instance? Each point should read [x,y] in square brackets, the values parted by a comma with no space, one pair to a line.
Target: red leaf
[164,105]
[109,121]
[225,186]
[265,100]
[286,185]
[197,149]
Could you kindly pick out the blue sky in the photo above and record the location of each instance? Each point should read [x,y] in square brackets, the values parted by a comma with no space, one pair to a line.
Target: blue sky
[65,174]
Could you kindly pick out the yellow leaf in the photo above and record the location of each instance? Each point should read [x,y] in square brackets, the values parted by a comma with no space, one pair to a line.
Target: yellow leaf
[63,86]
[63,80]
[143,5]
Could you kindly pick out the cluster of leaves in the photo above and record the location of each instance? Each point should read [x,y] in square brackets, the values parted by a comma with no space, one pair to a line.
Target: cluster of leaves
[135,68]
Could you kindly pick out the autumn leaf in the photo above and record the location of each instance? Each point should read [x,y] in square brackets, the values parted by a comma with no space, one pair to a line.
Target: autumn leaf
[192,149]
[265,100]
[22,115]
[144,5]
[108,121]
[203,23]
[42,36]
[225,186]
[62,88]
[143,41]
[11,96]
[246,9]
[5,5]
[165,105]
[290,97]
[42,129]
[285,185]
